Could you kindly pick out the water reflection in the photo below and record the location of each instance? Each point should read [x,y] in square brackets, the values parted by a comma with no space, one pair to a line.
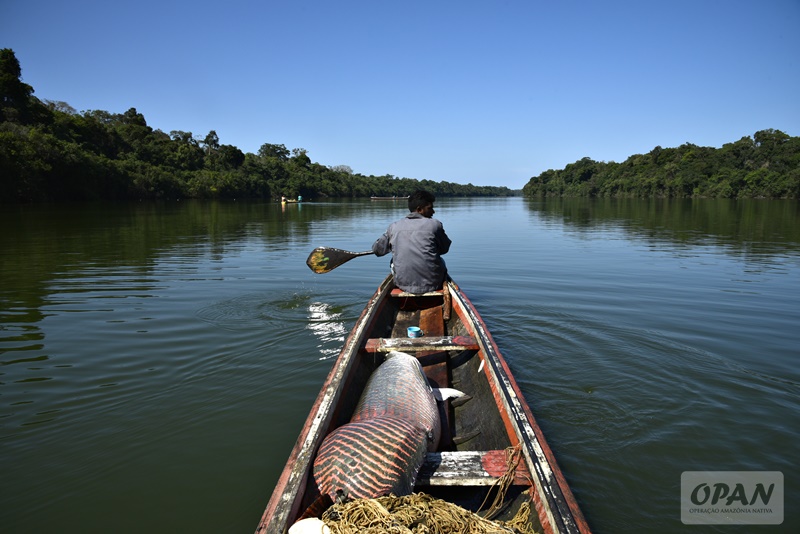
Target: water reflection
[752,228]
[326,323]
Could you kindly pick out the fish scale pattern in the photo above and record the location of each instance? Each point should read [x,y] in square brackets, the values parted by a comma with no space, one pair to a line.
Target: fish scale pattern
[370,458]
[400,389]
[383,446]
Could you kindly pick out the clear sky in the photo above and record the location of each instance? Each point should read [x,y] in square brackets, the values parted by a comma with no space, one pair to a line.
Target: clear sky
[484,92]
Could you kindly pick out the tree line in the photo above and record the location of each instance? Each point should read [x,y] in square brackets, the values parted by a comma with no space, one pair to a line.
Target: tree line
[51,152]
[766,165]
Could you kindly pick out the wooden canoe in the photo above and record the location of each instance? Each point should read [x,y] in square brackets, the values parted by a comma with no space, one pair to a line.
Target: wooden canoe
[456,351]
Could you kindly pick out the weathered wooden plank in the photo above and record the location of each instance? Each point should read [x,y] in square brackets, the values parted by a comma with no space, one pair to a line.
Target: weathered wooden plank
[400,293]
[416,344]
[431,322]
[468,468]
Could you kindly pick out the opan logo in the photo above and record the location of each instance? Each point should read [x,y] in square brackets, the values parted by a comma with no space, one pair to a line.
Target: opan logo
[732,497]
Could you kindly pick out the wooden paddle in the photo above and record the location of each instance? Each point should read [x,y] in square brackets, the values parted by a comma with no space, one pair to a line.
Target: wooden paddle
[325,259]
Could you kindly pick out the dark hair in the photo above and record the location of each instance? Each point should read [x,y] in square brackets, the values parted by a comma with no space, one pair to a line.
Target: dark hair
[419,199]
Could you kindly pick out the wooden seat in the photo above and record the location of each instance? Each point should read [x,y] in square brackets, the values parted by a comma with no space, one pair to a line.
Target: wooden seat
[471,468]
[397,292]
[425,343]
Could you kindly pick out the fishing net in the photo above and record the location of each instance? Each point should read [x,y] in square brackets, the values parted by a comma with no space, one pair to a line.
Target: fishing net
[420,513]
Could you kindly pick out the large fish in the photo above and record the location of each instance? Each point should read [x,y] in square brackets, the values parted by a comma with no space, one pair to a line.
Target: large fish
[381,449]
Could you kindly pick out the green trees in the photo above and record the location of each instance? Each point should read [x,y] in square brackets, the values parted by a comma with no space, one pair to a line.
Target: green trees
[15,96]
[764,166]
[49,151]
[279,152]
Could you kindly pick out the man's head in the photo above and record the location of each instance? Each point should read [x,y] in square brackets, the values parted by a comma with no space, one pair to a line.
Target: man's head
[421,201]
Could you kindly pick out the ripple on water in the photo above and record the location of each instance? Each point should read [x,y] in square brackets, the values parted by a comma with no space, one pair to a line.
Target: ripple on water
[326,316]
[627,409]
[255,310]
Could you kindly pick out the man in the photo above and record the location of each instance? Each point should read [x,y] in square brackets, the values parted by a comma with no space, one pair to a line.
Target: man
[416,243]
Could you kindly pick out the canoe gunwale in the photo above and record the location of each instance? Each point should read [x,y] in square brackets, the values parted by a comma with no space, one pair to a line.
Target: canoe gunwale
[286,498]
[556,505]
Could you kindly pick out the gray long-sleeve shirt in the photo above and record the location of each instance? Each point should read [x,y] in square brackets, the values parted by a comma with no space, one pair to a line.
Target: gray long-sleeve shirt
[416,244]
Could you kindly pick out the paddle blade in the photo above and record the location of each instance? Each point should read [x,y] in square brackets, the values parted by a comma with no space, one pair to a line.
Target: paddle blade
[324,259]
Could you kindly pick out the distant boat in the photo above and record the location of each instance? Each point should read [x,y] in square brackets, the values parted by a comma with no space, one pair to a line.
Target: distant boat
[389,198]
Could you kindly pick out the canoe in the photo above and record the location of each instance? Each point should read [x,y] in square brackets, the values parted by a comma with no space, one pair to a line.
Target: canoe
[389,198]
[457,351]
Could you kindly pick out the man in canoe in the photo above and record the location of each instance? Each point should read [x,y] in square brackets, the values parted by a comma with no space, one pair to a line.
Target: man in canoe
[417,243]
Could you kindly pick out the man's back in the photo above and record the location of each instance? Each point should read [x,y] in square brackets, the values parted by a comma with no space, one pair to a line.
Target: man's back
[416,243]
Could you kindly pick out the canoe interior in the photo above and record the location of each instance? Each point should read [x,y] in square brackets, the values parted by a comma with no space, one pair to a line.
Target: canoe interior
[480,424]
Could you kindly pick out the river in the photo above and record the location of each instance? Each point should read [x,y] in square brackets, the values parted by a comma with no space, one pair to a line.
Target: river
[157,360]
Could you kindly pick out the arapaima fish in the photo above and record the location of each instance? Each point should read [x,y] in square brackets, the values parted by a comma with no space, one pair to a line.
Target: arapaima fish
[382,448]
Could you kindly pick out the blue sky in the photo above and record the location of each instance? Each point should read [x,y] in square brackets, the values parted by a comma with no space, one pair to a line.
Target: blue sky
[489,93]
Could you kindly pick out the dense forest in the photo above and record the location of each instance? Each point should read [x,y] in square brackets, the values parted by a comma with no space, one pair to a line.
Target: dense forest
[50,152]
[764,166]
